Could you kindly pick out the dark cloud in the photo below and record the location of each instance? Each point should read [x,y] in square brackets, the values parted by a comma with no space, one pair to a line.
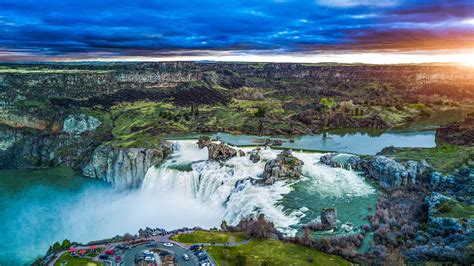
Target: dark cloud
[72,28]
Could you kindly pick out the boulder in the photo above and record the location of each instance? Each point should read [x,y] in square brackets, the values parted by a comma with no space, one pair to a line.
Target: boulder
[285,166]
[327,221]
[255,155]
[241,153]
[329,217]
[217,151]
[273,142]
[220,152]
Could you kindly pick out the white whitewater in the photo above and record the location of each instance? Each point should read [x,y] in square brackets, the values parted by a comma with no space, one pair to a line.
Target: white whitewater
[226,186]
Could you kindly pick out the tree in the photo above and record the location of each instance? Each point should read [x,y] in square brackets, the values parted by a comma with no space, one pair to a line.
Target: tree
[257,228]
[127,237]
[224,225]
[261,112]
[347,106]
[66,244]
[328,102]
[56,247]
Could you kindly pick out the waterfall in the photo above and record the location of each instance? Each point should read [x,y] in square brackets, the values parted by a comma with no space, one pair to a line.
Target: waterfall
[228,185]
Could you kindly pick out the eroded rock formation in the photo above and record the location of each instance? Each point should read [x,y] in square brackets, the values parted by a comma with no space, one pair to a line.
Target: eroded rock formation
[124,168]
[285,166]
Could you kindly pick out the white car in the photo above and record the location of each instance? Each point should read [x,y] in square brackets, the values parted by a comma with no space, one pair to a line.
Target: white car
[185,257]
[168,244]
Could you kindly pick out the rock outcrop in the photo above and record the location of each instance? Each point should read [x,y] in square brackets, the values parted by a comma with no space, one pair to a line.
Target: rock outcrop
[124,168]
[458,133]
[388,172]
[285,166]
[217,151]
[327,221]
[78,124]
[33,149]
[255,155]
[220,152]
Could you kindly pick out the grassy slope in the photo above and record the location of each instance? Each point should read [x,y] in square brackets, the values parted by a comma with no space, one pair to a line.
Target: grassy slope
[273,252]
[209,237]
[453,208]
[443,158]
[75,261]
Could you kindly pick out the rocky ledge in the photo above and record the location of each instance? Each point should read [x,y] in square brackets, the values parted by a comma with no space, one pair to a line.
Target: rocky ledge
[218,151]
[124,168]
[388,172]
[458,133]
[285,166]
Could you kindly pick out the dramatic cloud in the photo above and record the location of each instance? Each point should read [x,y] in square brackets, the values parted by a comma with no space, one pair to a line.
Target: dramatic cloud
[55,29]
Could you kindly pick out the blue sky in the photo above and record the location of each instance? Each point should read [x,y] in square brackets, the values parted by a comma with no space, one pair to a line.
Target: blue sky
[58,30]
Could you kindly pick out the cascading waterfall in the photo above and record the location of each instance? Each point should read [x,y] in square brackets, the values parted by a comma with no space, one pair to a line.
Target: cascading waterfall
[227,185]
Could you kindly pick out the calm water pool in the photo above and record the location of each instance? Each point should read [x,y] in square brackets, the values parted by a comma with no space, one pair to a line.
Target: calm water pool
[349,141]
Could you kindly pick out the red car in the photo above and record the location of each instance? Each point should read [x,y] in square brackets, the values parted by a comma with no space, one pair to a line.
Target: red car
[109,252]
[118,259]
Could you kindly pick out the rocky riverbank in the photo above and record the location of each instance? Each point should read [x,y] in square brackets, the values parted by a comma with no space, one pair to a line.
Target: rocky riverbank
[422,215]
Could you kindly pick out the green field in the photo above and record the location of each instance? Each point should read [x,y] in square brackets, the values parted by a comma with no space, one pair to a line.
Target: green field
[272,252]
[209,237]
[75,261]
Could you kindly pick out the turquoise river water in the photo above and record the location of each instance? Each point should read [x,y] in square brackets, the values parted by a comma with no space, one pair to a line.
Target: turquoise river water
[38,208]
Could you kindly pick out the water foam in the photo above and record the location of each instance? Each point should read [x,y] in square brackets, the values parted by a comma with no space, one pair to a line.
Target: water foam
[227,185]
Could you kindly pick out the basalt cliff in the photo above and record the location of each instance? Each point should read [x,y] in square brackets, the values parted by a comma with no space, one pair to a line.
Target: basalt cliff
[82,115]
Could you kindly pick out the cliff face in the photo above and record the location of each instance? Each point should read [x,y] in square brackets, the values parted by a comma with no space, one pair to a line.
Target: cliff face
[124,168]
[57,114]
[31,148]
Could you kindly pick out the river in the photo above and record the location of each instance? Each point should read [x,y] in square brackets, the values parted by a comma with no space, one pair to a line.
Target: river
[38,208]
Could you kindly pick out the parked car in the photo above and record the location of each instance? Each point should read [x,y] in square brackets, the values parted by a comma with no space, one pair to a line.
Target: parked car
[194,247]
[122,246]
[118,259]
[204,263]
[168,244]
[201,255]
[185,257]
[103,257]
[152,244]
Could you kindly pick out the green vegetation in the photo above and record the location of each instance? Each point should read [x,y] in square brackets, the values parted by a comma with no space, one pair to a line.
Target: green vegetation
[67,259]
[328,102]
[272,252]
[420,106]
[209,237]
[443,158]
[453,208]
